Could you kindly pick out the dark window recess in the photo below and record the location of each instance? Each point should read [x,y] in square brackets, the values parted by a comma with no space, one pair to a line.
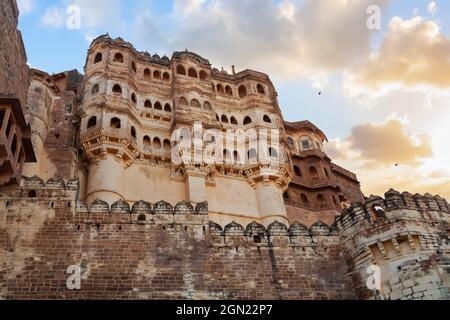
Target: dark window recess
[257,239]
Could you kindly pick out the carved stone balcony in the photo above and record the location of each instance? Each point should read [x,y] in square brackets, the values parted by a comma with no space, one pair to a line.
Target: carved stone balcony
[314,183]
[15,141]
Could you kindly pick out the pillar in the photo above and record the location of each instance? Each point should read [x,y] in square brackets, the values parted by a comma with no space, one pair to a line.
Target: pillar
[270,203]
[196,187]
[105,180]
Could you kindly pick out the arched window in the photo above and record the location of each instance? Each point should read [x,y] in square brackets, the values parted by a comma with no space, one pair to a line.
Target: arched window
[273,152]
[147,74]
[95,89]
[291,143]
[8,128]
[117,89]
[195,104]
[228,90]
[227,156]
[38,90]
[166,76]
[304,198]
[14,145]
[181,70]
[213,87]
[247,121]
[252,156]
[167,145]
[183,102]
[220,88]
[326,172]
[133,132]
[306,143]
[297,171]
[118,57]
[321,200]
[133,98]
[98,57]
[203,75]
[115,123]
[92,122]
[267,119]
[32,194]
[147,104]
[157,143]
[133,66]
[192,73]
[167,108]
[217,117]
[260,89]
[377,212]
[233,121]
[236,157]
[147,142]
[224,119]
[242,91]
[157,75]
[158,106]
[314,173]
[207,106]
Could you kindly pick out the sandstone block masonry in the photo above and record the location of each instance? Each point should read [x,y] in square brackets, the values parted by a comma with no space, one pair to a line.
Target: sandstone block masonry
[14,72]
[407,237]
[157,251]
[102,142]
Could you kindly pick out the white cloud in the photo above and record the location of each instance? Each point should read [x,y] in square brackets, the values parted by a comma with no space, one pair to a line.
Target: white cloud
[432,8]
[100,13]
[98,16]
[389,154]
[426,107]
[53,17]
[287,10]
[282,39]
[187,7]
[384,143]
[25,6]
[412,52]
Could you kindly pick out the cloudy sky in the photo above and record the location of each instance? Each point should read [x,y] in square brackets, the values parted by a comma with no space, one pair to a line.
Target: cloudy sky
[385,102]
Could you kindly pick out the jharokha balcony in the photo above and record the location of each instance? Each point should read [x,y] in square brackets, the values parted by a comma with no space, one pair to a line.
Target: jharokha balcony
[15,142]
[314,182]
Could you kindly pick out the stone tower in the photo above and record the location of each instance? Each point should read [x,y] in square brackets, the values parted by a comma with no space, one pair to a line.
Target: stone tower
[134,107]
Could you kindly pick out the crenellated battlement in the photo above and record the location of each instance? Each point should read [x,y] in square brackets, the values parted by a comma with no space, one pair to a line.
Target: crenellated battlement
[160,250]
[185,213]
[405,235]
[394,207]
[54,183]
[100,212]
[258,217]
[276,234]
[143,213]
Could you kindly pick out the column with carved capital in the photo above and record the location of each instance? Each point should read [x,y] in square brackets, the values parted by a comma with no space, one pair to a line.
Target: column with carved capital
[269,184]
